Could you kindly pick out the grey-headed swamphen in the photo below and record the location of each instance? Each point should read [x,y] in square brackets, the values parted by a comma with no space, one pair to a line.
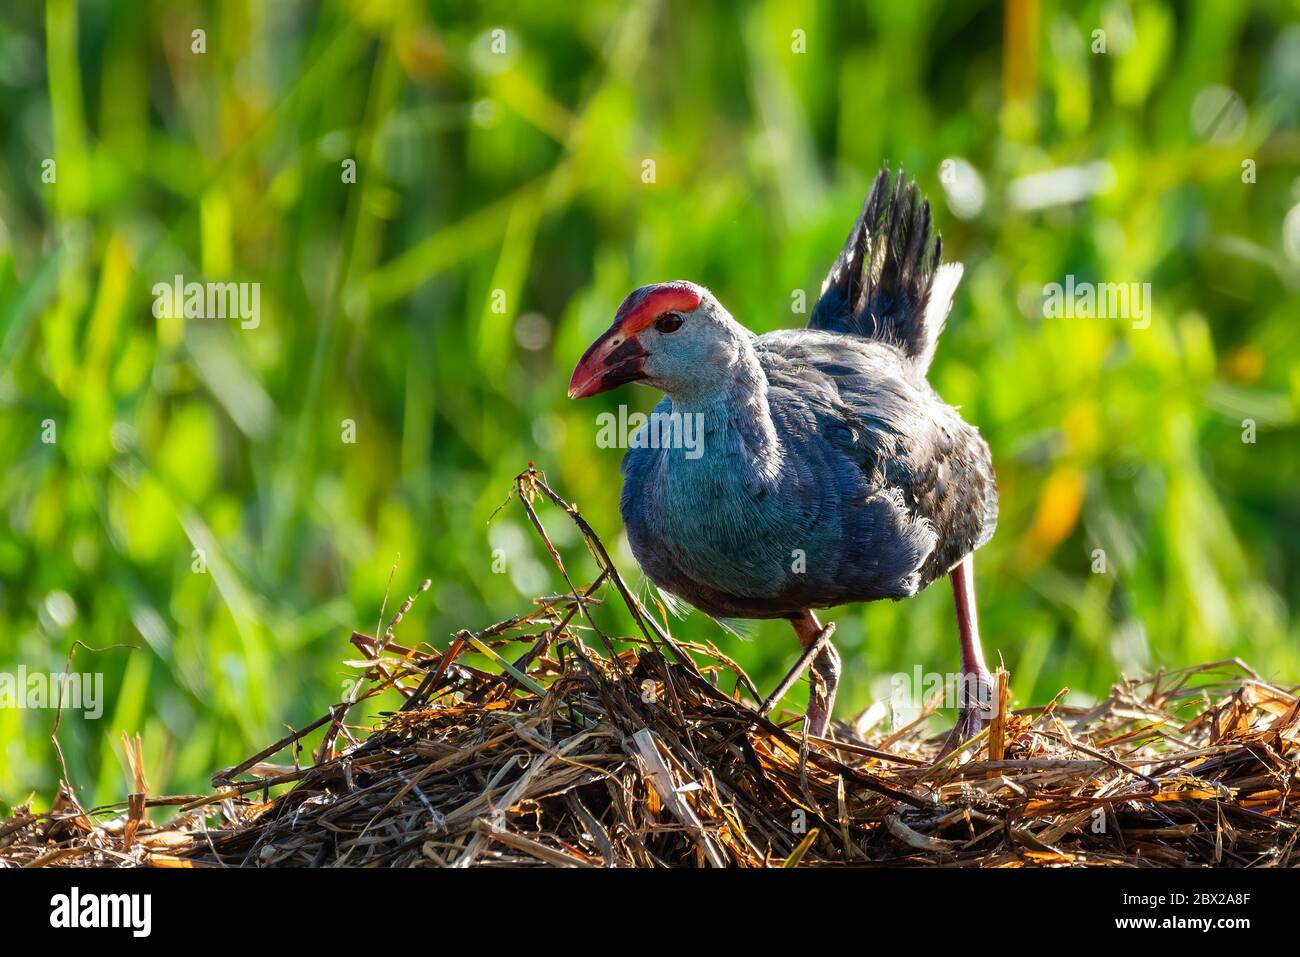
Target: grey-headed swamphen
[828,470]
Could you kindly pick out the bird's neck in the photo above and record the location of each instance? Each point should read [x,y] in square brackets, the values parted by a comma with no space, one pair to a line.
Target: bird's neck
[734,412]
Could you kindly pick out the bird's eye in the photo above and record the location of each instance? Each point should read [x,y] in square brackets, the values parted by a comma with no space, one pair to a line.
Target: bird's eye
[669,322]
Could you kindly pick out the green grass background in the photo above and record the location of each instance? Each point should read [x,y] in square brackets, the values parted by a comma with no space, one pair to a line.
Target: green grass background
[522,172]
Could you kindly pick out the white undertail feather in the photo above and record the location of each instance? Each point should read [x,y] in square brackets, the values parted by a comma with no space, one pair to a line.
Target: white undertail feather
[677,607]
[942,289]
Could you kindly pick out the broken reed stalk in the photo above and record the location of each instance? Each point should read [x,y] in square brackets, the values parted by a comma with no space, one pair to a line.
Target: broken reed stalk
[569,757]
[998,724]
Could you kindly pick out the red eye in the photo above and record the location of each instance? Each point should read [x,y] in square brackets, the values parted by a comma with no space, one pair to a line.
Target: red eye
[669,322]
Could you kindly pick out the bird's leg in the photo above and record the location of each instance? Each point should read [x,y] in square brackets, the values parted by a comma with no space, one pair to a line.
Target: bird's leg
[975,686]
[823,674]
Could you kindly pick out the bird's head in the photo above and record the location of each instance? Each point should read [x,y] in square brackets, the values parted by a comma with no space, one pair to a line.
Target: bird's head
[672,335]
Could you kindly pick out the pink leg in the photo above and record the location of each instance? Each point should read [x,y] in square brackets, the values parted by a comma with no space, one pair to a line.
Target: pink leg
[823,674]
[975,691]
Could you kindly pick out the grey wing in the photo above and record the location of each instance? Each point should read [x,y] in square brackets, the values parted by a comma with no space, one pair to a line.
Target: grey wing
[852,413]
[908,443]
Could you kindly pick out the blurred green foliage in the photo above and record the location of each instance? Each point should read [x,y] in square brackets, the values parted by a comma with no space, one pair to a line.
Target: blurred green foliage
[523,170]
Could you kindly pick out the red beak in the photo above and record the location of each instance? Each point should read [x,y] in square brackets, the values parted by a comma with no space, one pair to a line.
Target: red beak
[613,359]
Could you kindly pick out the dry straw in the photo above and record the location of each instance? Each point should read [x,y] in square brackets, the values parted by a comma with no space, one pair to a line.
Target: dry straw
[574,754]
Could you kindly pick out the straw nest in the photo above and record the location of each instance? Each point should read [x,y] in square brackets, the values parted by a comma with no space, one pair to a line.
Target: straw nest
[663,754]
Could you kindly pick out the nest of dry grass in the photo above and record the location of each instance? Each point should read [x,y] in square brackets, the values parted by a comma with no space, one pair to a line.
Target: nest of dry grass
[665,755]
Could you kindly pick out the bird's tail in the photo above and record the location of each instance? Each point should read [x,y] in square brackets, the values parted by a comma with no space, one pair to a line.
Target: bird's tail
[888,282]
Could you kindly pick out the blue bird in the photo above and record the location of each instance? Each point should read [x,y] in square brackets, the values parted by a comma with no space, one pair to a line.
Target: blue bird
[825,469]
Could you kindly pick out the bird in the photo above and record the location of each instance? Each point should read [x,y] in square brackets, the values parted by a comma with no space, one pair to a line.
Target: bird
[829,471]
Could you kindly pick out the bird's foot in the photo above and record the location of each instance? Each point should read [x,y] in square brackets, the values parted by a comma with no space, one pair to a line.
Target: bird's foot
[818,715]
[975,711]
[823,679]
